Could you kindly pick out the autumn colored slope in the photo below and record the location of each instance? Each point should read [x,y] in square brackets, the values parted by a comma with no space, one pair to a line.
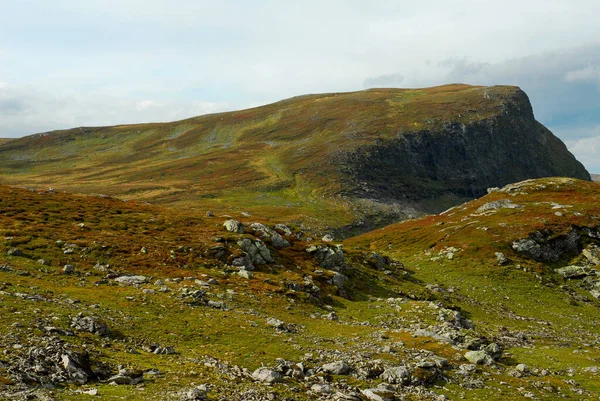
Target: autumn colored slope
[355,160]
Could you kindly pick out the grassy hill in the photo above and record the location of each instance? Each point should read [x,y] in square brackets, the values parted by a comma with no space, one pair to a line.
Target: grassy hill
[414,297]
[350,161]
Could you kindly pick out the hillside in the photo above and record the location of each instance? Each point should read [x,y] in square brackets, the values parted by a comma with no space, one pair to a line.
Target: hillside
[474,303]
[345,161]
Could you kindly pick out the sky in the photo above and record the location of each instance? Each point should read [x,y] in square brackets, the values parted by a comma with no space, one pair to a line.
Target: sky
[68,63]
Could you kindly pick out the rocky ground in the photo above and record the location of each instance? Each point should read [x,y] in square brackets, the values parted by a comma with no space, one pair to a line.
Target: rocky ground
[495,299]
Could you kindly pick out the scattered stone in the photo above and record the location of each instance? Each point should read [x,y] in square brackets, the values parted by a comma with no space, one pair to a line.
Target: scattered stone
[499,204]
[396,375]
[164,351]
[245,274]
[522,368]
[378,394]
[570,272]
[50,363]
[283,229]
[234,226]
[502,260]
[337,368]
[257,252]
[194,394]
[68,269]
[329,257]
[14,252]
[127,376]
[327,238]
[266,375]
[89,324]
[210,214]
[131,280]
[592,254]
[319,388]
[479,358]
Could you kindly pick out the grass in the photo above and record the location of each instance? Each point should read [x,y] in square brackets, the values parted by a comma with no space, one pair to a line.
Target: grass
[562,333]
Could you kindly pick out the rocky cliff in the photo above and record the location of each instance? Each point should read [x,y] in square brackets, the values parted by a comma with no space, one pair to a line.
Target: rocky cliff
[431,169]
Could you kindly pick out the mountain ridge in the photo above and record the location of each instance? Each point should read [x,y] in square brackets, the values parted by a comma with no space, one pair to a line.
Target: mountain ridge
[338,161]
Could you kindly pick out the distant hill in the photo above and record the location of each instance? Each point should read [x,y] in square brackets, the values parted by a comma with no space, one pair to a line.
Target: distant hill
[350,161]
[596,177]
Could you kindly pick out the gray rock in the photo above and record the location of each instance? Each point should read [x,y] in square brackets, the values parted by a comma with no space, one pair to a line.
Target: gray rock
[501,258]
[327,238]
[570,272]
[396,375]
[234,226]
[278,324]
[592,254]
[266,233]
[266,375]
[499,204]
[245,274]
[256,251]
[15,252]
[194,394]
[68,269]
[131,280]
[337,368]
[89,324]
[479,358]
[329,257]
[283,229]
[378,394]
[522,368]
[319,388]
[493,350]
[164,351]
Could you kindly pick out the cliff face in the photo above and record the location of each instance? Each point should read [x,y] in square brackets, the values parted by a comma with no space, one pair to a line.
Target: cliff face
[460,160]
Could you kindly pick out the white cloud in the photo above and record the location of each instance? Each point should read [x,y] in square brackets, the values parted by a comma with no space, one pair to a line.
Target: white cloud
[29,111]
[587,73]
[587,151]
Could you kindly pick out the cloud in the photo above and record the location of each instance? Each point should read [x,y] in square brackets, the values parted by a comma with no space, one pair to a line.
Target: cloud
[587,151]
[384,81]
[28,111]
[587,73]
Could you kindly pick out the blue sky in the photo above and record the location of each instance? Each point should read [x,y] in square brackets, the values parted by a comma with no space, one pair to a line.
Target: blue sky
[68,63]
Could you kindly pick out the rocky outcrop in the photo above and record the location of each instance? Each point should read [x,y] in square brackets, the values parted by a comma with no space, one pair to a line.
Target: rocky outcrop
[459,160]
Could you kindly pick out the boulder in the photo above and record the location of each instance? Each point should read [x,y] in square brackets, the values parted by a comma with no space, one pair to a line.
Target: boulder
[570,272]
[396,375]
[256,251]
[337,368]
[131,280]
[329,257]
[89,324]
[378,394]
[266,375]
[499,204]
[479,358]
[234,226]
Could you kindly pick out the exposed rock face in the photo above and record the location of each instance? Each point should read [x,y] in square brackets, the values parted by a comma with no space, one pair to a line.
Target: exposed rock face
[459,160]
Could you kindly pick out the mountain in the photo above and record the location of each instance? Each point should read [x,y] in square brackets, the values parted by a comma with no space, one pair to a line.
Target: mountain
[495,299]
[348,162]
[596,177]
